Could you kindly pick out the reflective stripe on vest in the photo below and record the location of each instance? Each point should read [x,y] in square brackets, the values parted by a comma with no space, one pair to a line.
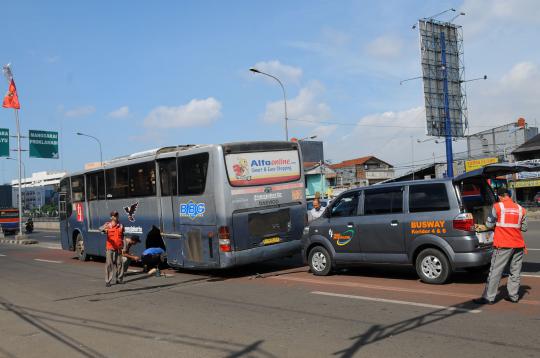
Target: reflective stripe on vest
[502,220]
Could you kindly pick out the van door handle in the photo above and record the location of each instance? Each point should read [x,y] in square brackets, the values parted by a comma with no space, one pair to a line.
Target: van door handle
[394,223]
[350,225]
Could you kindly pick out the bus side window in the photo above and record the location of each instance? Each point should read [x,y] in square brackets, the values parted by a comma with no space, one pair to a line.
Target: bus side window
[117,183]
[142,179]
[77,188]
[92,186]
[193,170]
[168,177]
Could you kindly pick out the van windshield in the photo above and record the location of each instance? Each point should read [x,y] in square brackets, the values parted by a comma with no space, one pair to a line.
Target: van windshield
[476,197]
[262,168]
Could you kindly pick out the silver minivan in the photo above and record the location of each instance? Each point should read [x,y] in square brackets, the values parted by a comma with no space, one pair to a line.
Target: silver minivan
[435,225]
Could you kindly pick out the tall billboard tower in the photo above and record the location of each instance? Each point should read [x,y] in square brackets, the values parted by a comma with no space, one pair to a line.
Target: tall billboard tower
[443,72]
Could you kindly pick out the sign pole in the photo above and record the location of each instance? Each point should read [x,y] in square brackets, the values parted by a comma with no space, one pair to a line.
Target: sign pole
[447,124]
[20,170]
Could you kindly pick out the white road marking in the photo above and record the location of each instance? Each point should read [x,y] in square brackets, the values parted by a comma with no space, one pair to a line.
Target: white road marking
[132,270]
[2,255]
[50,236]
[417,304]
[52,246]
[532,249]
[51,261]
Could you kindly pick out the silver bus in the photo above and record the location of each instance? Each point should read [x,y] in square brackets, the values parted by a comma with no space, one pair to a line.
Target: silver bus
[215,206]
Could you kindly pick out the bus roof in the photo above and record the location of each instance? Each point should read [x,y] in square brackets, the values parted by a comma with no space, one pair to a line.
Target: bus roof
[153,153]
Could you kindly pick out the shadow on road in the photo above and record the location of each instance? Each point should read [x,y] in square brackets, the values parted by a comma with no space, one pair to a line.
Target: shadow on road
[42,320]
[377,332]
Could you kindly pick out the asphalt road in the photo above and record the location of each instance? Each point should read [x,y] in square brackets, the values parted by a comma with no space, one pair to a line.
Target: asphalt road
[52,305]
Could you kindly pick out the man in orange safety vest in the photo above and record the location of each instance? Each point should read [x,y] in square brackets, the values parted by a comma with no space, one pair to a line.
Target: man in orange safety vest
[509,220]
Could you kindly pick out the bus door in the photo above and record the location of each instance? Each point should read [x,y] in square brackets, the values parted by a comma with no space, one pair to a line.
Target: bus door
[64,211]
[166,209]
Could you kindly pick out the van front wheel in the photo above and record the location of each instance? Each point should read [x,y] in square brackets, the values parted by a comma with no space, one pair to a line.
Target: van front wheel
[320,261]
[433,267]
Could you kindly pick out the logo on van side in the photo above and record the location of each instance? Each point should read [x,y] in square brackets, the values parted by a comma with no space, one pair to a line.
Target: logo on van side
[428,227]
[192,210]
[343,238]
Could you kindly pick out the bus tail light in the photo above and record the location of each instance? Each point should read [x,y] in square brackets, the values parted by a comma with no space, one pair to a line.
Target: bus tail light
[224,239]
[464,221]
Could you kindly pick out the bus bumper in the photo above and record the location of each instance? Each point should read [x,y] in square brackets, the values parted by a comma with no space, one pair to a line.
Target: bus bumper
[259,254]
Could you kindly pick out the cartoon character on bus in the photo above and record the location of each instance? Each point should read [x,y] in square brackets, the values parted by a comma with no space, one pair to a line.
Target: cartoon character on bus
[241,170]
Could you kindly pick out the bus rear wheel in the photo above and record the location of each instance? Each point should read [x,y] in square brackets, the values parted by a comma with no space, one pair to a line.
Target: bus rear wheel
[79,248]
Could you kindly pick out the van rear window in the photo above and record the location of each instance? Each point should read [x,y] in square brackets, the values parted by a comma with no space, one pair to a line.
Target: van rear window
[262,168]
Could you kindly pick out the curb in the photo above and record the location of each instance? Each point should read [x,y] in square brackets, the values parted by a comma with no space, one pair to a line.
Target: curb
[18,241]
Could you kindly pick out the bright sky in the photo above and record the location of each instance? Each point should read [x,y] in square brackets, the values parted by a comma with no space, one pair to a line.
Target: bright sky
[140,75]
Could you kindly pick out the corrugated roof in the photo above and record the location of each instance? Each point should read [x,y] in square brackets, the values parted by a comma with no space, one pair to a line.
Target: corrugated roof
[530,145]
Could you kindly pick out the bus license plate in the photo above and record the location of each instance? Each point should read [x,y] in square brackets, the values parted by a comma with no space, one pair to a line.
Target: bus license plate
[271,240]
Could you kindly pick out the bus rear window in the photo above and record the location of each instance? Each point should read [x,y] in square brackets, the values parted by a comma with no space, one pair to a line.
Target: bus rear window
[262,168]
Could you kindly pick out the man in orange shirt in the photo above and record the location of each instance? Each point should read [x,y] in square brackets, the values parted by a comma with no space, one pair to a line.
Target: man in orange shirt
[509,220]
[114,246]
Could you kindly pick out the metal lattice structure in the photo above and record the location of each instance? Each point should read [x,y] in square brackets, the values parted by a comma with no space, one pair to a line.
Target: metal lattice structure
[432,34]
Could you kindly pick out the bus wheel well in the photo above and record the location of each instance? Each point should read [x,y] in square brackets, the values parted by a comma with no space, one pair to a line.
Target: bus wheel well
[421,248]
[74,239]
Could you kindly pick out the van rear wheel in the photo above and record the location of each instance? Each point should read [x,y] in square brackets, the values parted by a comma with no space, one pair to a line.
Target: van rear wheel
[433,267]
[79,248]
[320,261]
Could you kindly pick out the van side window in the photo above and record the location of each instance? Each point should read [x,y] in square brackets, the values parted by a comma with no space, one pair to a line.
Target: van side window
[193,170]
[347,205]
[428,197]
[142,179]
[383,201]
[168,177]
[77,188]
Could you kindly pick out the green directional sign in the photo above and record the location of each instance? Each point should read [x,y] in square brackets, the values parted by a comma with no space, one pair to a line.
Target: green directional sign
[4,142]
[43,144]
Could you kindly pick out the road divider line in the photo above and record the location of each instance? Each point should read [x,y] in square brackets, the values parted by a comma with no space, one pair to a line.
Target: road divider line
[50,261]
[2,255]
[53,247]
[387,288]
[408,303]
[50,236]
[526,275]
[528,249]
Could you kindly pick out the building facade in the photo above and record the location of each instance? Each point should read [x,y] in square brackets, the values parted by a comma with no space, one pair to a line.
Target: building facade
[362,171]
[38,190]
[500,141]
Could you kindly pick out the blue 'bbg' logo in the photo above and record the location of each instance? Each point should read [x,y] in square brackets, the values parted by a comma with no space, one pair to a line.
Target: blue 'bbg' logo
[192,210]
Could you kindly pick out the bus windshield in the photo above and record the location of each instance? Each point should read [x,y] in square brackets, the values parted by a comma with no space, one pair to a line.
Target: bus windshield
[262,168]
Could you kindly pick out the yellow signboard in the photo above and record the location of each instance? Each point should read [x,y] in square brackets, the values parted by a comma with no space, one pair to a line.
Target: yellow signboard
[525,183]
[479,163]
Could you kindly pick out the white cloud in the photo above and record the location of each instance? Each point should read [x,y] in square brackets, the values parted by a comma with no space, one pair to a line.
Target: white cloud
[121,112]
[304,107]
[80,111]
[485,15]
[385,47]
[503,100]
[285,73]
[198,112]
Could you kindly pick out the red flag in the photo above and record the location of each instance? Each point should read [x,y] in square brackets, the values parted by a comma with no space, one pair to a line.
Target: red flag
[11,100]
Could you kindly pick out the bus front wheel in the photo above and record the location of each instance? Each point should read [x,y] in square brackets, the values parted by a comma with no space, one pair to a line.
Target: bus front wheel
[79,248]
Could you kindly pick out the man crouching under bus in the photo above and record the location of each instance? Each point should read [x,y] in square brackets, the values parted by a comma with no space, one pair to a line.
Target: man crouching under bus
[127,256]
[114,245]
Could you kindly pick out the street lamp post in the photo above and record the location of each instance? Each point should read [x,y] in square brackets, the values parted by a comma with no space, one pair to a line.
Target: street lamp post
[20,185]
[99,143]
[254,70]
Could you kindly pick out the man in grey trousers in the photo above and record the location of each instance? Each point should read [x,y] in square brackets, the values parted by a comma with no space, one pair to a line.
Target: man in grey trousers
[509,220]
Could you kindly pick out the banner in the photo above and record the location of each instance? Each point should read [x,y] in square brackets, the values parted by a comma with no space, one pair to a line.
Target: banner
[43,144]
[474,164]
[4,142]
